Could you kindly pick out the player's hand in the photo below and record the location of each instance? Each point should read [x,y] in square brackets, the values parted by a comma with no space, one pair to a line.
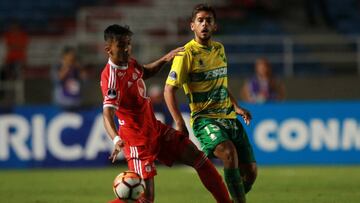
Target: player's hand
[169,56]
[117,149]
[245,114]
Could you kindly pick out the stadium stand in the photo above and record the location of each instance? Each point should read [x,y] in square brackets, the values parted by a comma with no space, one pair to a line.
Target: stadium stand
[275,30]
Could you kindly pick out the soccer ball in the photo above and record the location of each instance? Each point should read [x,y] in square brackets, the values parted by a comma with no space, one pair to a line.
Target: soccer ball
[128,186]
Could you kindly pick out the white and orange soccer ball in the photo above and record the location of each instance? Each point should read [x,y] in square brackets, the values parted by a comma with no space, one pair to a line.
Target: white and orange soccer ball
[128,186]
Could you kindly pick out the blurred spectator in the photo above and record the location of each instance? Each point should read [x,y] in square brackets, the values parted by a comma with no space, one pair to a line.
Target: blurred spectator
[68,76]
[16,42]
[157,99]
[263,87]
[314,6]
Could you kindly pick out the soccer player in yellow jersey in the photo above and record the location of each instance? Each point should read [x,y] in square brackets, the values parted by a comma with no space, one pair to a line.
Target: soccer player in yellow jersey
[202,72]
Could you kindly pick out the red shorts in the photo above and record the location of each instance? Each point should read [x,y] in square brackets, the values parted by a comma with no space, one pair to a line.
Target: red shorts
[167,148]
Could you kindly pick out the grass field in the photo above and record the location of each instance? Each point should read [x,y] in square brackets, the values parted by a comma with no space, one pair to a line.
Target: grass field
[318,184]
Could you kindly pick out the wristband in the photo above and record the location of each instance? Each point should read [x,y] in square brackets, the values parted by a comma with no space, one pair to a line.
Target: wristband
[116,139]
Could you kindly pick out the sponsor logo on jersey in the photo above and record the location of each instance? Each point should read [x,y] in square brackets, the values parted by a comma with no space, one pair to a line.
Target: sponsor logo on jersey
[121,74]
[173,75]
[111,93]
[216,73]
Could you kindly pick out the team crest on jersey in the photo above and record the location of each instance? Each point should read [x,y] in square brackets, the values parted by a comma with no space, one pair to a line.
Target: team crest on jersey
[111,93]
[201,63]
[135,76]
[173,75]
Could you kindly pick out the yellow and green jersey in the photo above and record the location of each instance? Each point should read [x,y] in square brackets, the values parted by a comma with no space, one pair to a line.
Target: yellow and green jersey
[202,72]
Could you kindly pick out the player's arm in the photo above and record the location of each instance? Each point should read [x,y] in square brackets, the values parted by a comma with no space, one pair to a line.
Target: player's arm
[154,67]
[244,113]
[172,104]
[110,127]
[109,124]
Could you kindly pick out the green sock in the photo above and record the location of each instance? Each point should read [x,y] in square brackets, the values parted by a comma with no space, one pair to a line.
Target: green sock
[234,183]
[247,186]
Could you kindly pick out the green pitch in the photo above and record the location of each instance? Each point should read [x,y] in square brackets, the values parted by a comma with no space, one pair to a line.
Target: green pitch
[318,184]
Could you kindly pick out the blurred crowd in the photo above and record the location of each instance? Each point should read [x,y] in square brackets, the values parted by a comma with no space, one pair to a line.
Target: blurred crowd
[68,75]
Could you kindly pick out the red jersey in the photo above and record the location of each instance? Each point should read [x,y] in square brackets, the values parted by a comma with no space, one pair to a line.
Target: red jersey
[124,89]
[16,43]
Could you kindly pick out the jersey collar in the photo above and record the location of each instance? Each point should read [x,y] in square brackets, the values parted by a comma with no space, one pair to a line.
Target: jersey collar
[203,46]
[113,65]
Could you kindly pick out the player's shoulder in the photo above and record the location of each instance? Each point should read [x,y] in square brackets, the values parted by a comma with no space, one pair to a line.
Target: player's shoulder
[134,65]
[217,45]
[133,61]
[188,47]
[191,48]
[105,70]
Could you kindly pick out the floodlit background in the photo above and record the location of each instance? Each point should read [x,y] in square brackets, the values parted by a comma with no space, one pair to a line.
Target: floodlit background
[306,141]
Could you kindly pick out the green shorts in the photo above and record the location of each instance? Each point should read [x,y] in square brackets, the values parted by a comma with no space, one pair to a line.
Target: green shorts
[212,131]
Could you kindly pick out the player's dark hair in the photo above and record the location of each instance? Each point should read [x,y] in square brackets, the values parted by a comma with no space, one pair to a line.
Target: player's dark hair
[202,7]
[116,32]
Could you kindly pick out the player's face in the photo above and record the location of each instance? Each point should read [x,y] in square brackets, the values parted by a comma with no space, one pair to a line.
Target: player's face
[120,51]
[203,26]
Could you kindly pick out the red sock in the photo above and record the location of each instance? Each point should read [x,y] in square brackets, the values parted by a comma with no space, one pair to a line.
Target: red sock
[211,179]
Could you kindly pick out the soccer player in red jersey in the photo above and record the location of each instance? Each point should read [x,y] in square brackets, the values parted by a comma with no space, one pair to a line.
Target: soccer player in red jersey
[142,138]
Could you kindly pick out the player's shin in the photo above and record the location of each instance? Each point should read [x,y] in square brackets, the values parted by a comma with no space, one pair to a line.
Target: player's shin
[235,185]
[144,200]
[211,179]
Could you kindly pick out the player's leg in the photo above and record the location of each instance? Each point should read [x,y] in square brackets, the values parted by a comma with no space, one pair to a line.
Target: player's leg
[149,194]
[208,174]
[141,161]
[176,146]
[213,134]
[247,162]
[226,152]
[248,174]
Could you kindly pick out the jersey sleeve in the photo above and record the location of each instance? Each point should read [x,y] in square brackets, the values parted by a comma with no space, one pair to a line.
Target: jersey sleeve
[110,89]
[179,70]
[139,69]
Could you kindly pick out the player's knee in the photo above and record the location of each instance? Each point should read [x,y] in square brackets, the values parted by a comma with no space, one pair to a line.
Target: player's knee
[229,156]
[191,155]
[227,153]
